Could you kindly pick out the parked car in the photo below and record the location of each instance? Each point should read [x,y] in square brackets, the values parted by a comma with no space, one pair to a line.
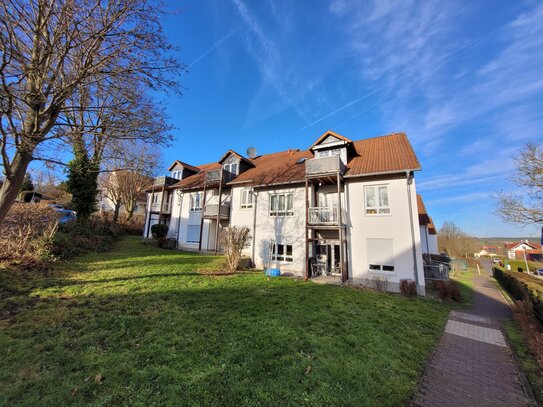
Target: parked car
[56,206]
[496,260]
[539,272]
[66,216]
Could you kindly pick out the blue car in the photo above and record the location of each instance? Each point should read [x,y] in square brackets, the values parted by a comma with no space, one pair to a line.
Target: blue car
[539,272]
[66,216]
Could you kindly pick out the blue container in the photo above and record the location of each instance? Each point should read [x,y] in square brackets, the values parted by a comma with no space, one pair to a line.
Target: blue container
[273,272]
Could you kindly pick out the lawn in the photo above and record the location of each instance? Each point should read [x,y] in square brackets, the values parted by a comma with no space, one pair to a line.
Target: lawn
[141,326]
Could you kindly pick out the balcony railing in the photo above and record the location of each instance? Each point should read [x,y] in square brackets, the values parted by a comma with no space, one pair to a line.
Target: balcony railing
[324,165]
[164,180]
[324,215]
[215,176]
[166,207]
[211,211]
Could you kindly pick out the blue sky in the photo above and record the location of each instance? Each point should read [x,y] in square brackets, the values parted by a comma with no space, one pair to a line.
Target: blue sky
[464,80]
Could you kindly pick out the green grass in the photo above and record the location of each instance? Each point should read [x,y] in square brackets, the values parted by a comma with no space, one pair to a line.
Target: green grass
[516,264]
[159,333]
[533,371]
[465,282]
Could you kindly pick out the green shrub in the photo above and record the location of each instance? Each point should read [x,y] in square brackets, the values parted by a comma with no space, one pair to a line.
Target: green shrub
[159,230]
[522,287]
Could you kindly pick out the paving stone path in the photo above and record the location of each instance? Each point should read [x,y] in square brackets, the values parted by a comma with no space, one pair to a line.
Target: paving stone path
[472,364]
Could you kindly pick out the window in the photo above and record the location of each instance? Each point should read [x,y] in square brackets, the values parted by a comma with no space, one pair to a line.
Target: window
[377,200]
[196,202]
[231,164]
[328,153]
[177,174]
[282,205]
[193,234]
[282,252]
[380,255]
[246,199]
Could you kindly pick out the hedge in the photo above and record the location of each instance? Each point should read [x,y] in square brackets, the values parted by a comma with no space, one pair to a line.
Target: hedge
[521,287]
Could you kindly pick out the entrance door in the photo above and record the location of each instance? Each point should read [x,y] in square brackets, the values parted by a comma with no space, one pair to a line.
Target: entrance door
[328,259]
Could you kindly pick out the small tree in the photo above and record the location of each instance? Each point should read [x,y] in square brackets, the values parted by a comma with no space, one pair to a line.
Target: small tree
[82,183]
[234,239]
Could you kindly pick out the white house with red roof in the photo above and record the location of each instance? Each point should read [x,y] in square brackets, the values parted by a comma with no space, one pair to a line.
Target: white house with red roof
[342,208]
[518,251]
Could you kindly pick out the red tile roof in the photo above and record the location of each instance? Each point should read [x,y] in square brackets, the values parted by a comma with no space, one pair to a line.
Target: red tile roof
[382,155]
[424,219]
[385,154]
[509,246]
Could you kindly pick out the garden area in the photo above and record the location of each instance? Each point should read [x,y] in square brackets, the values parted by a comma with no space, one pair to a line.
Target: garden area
[139,325]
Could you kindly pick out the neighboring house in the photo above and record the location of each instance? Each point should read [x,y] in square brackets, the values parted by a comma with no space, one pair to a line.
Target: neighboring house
[342,208]
[517,251]
[486,251]
[428,232]
[106,205]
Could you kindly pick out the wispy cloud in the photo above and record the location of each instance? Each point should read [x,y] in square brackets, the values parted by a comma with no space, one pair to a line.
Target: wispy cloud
[213,47]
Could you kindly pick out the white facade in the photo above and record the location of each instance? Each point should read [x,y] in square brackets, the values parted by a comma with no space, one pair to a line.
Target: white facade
[381,225]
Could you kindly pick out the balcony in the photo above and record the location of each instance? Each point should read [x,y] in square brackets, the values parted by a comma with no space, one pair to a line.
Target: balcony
[213,176]
[323,216]
[166,207]
[211,211]
[324,165]
[164,181]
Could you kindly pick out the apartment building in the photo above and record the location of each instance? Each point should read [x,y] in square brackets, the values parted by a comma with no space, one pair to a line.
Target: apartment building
[342,208]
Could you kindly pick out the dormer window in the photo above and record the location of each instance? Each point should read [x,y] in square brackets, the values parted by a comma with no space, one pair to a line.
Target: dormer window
[231,165]
[328,153]
[177,174]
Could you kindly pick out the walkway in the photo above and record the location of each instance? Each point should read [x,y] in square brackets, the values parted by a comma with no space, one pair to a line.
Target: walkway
[473,365]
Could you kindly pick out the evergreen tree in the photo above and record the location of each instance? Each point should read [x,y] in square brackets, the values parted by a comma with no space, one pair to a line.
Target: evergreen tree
[82,183]
[28,185]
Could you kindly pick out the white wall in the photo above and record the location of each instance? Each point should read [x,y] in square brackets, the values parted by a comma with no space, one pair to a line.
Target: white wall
[432,241]
[395,226]
[283,230]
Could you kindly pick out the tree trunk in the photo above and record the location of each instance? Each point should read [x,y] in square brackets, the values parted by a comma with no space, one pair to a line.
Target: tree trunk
[129,214]
[116,213]
[12,183]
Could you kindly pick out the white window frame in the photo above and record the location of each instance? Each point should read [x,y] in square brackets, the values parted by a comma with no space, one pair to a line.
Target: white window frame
[196,202]
[378,209]
[246,199]
[287,207]
[279,252]
[176,174]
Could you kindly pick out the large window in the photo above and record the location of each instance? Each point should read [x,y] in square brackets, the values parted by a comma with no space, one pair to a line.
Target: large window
[377,200]
[193,234]
[177,174]
[196,201]
[246,199]
[380,255]
[282,205]
[282,252]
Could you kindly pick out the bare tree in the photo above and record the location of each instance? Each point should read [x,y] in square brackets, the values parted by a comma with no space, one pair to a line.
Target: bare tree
[454,241]
[133,164]
[526,209]
[53,51]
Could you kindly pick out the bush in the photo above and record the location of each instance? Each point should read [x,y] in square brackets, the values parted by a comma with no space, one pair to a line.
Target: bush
[26,234]
[234,239]
[447,290]
[522,287]
[408,287]
[159,231]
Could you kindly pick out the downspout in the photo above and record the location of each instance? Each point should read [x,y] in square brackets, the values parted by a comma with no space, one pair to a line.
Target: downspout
[255,194]
[409,178]
[180,195]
